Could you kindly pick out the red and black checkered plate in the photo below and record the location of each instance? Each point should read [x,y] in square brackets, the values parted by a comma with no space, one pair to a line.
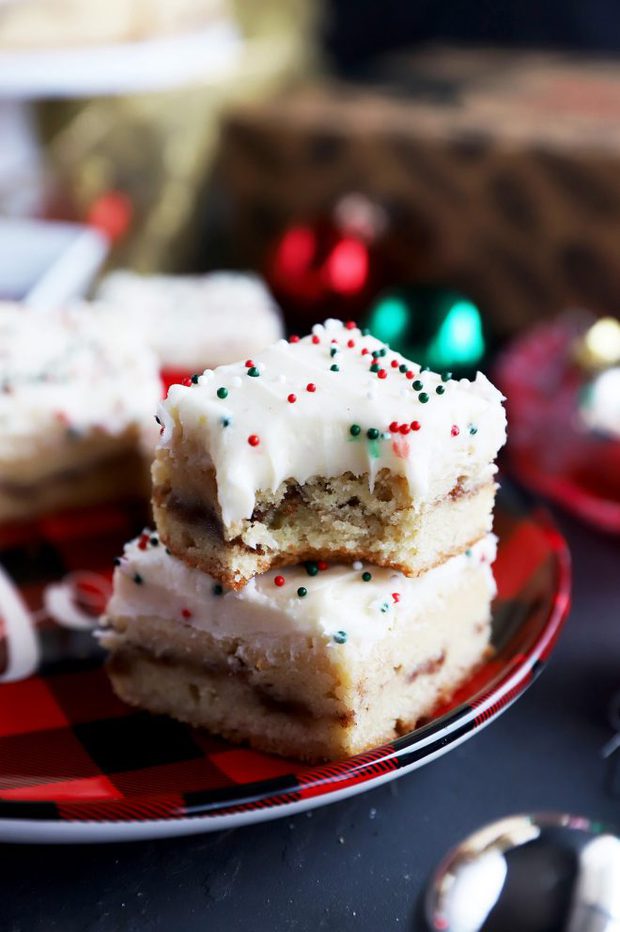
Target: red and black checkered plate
[78,765]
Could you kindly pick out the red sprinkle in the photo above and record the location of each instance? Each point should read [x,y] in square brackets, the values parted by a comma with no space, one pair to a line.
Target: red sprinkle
[323,565]
[455,431]
[310,387]
[254,440]
[293,339]
[394,364]
[279,580]
[186,382]
[292,399]
[315,339]
[186,613]
[144,539]
[393,428]
[248,364]
[408,374]
[396,596]
[350,343]
[382,374]
[404,428]
[415,425]
[365,351]
[350,325]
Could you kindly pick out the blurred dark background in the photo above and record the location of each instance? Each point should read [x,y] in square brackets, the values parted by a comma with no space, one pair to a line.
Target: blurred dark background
[355,30]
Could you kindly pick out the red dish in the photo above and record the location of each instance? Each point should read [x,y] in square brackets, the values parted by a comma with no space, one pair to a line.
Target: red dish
[550,448]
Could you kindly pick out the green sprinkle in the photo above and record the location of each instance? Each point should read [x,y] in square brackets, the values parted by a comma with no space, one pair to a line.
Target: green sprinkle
[383,351]
[195,378]
[440,389]
[366,576]
[385,607]
[168,551]
[425,369]
[417,386]
[222,392]
[340,637]
[225,422]
[253,372]
[217,589]
[423,398]
[333,350]
[334,368]
[375,367]
[137,579]
[311,568]
[117,561]
[473,429]
[355,430]
[155,541]
[365,332]
[373,434]
[402,367]
[302,592]
[446,376]
[468,552]
[376,353]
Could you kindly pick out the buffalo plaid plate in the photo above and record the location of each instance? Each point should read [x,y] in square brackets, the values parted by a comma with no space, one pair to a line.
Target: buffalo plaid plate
[76,764]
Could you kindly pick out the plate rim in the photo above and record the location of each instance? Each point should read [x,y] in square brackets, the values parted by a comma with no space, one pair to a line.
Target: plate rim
[320,782]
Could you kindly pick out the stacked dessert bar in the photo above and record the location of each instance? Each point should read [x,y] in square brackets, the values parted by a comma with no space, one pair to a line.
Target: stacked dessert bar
[321,576]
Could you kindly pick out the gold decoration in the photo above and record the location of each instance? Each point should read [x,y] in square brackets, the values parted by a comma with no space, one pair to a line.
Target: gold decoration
[599,348]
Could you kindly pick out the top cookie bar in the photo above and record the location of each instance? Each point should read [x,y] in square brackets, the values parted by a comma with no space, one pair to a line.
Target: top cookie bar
[333,447]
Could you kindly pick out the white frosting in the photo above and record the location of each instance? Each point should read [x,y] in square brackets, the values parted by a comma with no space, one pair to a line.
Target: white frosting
[68,373]
[460,429]
[337,599]
[602,407]
[196,321]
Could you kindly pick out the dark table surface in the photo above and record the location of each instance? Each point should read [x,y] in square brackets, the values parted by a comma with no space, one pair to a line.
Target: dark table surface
[360,864]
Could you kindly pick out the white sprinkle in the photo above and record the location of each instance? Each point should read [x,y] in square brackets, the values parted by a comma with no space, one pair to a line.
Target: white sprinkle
[358,565]
[281,378]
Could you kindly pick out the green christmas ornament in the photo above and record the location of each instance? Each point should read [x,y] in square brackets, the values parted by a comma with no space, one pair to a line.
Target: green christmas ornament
[433,326]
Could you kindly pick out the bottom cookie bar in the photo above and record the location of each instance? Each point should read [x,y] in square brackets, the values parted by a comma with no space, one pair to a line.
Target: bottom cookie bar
[313,663]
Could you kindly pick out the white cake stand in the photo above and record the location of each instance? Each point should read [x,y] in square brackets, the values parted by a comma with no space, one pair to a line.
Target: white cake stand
[205,57]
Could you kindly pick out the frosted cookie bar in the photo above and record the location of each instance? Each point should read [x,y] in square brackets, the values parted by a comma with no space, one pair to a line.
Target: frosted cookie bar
[330,447]
[318,661]
[77,409]
[192,322]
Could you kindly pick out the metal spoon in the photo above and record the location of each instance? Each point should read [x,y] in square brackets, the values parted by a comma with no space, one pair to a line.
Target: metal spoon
[529,873]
